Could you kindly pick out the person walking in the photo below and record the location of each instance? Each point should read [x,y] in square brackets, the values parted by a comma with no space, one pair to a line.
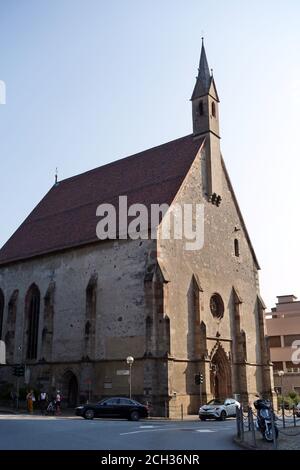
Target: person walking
[30,400]
[58,399]
[43,400]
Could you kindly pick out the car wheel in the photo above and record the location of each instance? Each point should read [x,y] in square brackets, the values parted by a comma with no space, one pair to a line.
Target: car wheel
[202,418]
[222,416]
[134,416]
[89,414]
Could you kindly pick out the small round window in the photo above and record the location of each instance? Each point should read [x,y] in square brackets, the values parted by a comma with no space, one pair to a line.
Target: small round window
[217,306]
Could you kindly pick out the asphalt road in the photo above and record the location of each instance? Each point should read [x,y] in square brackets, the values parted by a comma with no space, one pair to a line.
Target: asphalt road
[21,432]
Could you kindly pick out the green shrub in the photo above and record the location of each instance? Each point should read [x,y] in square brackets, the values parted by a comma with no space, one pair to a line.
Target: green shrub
[292,395]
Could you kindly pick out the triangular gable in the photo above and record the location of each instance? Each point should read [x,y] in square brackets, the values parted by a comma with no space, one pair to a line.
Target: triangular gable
[239,213]
[213,90]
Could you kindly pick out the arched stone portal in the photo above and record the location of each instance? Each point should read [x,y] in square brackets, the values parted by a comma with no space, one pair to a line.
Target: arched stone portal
[220,375]
[70,389]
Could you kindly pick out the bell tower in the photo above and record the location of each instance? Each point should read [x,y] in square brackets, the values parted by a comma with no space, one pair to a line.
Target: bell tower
[205,109]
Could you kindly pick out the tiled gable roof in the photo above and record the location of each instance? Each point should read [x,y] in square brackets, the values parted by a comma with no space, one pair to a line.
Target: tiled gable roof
[66,216]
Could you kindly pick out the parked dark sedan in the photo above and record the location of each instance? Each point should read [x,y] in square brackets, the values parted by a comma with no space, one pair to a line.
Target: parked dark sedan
[115,407]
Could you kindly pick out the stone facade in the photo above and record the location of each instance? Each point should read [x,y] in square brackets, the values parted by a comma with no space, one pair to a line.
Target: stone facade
[152,301]
[73,316]
[232,348]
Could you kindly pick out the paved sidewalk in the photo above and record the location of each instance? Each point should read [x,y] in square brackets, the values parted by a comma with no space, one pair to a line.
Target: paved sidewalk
[288,439]
[70,413]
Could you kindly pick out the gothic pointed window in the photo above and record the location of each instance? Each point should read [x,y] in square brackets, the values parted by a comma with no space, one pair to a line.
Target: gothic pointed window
[48,322]
[201,108]
[236,247]
[32,321]
[1,311]
[213,109]
[90,318]
[11,326]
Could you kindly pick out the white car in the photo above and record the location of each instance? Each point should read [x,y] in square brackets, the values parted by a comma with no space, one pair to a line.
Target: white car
[219,409]
[297,410]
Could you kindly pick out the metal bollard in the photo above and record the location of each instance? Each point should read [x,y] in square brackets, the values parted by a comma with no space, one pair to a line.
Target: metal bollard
[294,416]
[242,423]
[273,429]
[249,418]
[252,426]
[238,422]
[283,415]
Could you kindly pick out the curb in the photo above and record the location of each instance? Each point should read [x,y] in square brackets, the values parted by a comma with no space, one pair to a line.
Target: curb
[8,412]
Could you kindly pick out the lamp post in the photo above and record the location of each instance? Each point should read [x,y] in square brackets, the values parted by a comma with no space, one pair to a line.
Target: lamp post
[130,361]
[281,374]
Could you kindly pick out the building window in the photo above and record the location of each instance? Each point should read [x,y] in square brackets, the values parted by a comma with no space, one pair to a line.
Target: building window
[274,342]
[32,316]
[292,367]
[277,366]
[1,311]
[236,248]
[217,306]
[213,109]
[201,108]
[289,339]
[87,328]
[167,334]
[90,318]
[47,335]
[11,326]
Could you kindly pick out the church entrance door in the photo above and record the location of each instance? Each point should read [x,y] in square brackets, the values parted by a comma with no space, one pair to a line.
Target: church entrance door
[70,389]
[221,375]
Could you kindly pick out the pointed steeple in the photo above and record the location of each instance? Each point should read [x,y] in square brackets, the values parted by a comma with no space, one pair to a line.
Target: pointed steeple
[205,110]
[204,78]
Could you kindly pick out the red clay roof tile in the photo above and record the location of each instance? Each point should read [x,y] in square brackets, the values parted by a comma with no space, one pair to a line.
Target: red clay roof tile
[66,216]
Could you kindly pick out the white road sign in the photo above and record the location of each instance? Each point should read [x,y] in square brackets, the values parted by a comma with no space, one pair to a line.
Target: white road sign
[2,353]
[123,372]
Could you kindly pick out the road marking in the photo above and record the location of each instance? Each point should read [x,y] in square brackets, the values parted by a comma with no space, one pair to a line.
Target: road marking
[143,430]
[165,428]
[35,417]
[204,430]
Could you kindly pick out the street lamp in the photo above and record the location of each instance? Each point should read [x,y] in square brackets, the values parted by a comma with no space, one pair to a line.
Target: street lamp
[281,374]
[130,361]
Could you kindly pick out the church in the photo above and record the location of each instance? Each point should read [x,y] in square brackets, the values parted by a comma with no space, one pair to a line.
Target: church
[74,307]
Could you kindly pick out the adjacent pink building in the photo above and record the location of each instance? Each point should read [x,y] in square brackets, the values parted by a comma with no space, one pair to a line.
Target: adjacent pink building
[283,331]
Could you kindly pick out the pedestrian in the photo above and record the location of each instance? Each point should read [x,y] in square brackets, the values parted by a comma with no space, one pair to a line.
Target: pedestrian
[30,400]
[43,399]
[58,400]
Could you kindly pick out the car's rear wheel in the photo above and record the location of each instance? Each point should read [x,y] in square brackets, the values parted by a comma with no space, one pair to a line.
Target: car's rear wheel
[134,416]
[202,418]
[89,414]
[222,415]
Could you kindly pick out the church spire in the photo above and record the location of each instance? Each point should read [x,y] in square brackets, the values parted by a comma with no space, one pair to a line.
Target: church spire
[204,78]
[205,110]
[205,100]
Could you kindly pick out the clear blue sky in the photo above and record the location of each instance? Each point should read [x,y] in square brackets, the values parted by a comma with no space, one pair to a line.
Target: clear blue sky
[91,81]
